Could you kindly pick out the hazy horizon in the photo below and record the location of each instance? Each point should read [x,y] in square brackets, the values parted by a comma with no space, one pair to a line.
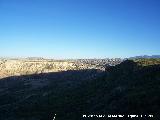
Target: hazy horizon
[69,29]
[19,57]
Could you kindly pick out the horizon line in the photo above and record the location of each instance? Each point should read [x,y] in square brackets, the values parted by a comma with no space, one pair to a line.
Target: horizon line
[56,58]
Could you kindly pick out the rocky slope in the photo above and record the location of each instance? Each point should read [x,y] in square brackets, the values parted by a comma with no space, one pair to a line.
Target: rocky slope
[129,88]
[14,67]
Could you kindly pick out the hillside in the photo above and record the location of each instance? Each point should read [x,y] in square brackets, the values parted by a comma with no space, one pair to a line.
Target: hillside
[148,61]
[131,87]
[17,67]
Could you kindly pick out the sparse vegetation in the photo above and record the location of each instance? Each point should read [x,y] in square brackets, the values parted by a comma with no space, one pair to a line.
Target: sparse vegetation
[128,88]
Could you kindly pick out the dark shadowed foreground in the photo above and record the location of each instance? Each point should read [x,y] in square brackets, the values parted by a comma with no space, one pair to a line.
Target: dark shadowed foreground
[127,88]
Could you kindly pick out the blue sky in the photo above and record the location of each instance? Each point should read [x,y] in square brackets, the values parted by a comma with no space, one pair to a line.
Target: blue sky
[79,28]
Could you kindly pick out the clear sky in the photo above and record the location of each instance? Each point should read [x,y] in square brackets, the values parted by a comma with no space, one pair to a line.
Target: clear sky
[79,28]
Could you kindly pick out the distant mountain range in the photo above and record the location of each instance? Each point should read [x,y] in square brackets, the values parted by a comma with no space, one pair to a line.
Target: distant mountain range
[146,56]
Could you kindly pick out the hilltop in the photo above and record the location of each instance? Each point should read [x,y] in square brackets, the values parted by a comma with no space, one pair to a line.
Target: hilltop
[145,56]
